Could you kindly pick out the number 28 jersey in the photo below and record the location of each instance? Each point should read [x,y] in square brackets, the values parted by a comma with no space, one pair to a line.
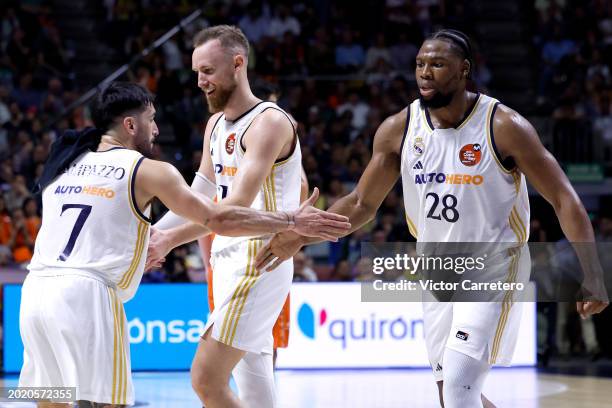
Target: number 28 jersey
[91,224]
[456,189]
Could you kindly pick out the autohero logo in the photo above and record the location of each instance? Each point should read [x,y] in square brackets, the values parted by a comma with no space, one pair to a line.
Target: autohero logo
[347,330]
[159,331]
[442,178]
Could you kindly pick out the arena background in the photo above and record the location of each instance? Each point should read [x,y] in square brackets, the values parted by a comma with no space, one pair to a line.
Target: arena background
[339,68]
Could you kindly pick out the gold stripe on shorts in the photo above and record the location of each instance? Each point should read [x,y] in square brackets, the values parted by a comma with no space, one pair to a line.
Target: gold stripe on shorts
[136,257]
[506,306]
[115,336]
[253,276]
[235,295]
[124,365]
[239,297]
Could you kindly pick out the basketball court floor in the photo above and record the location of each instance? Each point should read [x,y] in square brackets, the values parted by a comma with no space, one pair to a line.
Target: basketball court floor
[511,387]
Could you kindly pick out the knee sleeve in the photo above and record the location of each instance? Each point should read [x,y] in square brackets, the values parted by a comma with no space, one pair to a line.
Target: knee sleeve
[464,378]
[254,376]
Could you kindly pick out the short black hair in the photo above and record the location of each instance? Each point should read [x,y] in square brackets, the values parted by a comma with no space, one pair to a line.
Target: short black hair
[116,100]
[460,44]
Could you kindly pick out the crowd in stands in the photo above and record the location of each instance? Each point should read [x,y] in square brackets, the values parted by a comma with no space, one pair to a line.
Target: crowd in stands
[573,40]
[337,70]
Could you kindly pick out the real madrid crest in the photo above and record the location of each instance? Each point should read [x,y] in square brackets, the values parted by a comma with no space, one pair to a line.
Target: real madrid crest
[419,146]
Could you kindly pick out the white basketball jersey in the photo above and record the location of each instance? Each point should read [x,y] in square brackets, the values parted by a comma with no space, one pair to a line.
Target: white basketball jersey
[280,190]
[456,188]
[91,224]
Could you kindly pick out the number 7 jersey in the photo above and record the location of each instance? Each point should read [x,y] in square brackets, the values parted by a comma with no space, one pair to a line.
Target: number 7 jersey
[455,186]
[91,225]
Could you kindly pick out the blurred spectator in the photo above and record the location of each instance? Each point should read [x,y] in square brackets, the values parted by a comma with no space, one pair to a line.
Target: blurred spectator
[358,108]
[32,217]
[350,56]
[302,270]
[283,22]
[254,24]
[17,194]
[21,241]
[377,51]
[403,54]
[6,255]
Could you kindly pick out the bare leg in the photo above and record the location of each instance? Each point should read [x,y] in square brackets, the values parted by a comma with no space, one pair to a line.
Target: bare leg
[486,403]
[440,392]
[210,373]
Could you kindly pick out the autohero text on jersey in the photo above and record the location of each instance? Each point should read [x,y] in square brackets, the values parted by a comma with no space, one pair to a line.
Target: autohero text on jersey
[426,178]
[90,190]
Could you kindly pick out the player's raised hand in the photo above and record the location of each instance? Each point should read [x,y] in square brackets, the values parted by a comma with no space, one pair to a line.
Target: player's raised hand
[312,222]
[280,248]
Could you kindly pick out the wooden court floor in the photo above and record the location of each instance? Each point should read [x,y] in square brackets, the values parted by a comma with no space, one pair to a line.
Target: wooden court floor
[511,388]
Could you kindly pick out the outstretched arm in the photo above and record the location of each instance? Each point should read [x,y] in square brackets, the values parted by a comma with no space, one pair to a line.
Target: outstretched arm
[361,204]
[516,138]
[162,180]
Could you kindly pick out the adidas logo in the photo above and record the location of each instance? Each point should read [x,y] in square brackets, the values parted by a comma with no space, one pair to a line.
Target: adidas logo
[438,367]
[418,166]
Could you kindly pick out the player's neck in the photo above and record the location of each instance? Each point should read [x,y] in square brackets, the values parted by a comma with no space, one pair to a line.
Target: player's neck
[241,101]
[110,141]
[451,115]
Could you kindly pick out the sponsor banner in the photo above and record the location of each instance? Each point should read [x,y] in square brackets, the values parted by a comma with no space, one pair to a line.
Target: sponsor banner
[330,328]
[165,322]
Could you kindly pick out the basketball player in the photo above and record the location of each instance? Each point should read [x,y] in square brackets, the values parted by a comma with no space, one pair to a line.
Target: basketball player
[487,149]
[89,252]
[280,331]
[252,153]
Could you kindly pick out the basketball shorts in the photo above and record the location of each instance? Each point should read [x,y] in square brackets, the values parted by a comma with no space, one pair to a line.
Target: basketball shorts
[481,330]
[247,301]
[74,333]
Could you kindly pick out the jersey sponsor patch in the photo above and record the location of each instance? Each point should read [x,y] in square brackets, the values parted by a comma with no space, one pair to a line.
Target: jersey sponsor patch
[462,335]
[230,143]
[470,154]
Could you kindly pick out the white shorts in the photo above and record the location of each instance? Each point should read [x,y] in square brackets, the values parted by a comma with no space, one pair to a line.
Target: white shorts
[481,330]
[74,334]
[247,301]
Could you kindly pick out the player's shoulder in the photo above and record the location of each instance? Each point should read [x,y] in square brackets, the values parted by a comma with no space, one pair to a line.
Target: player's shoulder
[152,167]
[391,131]
[273,115]
[507,121]
[271,124]
[212,121]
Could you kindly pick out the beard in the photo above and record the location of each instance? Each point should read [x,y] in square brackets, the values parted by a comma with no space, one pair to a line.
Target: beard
[218,101]
[438,100]
[144,146]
